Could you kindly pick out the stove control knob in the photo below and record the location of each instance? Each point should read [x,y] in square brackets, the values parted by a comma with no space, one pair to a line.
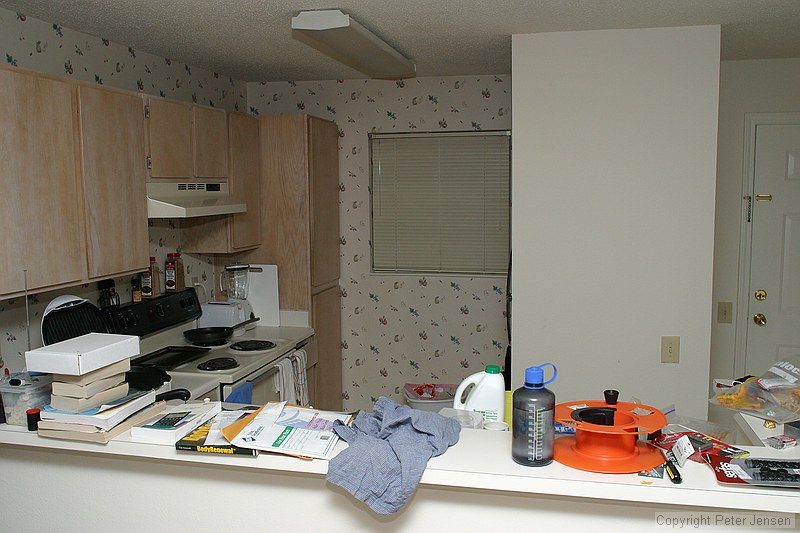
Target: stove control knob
[159,311]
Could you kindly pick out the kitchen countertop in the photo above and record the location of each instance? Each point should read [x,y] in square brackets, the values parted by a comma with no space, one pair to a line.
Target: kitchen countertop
[468,465]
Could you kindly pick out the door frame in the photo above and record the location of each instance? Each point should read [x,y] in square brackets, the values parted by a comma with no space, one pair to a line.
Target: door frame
[751,122]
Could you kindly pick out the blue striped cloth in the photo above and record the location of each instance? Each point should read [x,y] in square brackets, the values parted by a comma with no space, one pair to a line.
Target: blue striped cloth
[387,453]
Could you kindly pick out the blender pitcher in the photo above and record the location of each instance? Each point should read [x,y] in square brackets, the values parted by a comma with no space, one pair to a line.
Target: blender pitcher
[233,281]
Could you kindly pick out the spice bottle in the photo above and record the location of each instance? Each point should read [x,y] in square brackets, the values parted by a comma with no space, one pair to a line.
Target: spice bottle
[180,274]
[155,277]
[136,289]
[170,274]
[533,432]
[147,281]
[108,294]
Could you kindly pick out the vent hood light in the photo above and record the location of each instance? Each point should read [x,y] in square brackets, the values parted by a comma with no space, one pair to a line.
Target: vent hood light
[340,37]
[195,199]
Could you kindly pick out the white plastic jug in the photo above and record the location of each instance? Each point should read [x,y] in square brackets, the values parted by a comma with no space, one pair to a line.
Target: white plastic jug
[487,397]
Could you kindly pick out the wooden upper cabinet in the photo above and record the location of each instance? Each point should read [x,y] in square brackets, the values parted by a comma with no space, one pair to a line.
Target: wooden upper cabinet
[245,179]
[323,157]
[41,212]
[112,128]
[169,126]
[187,141]
[210,142]
[242,231]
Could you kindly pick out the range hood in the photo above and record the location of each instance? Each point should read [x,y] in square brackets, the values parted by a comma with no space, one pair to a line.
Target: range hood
[194,199]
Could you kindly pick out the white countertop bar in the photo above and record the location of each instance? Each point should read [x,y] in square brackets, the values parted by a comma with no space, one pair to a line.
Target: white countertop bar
[480,460]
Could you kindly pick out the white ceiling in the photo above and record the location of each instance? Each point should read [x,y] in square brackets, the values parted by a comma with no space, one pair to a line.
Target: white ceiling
[251,40]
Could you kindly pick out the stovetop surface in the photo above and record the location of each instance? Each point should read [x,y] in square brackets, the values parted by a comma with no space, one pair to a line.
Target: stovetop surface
[248,361]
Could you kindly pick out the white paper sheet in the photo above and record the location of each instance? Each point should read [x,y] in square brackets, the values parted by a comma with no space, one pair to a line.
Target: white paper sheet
[291,430]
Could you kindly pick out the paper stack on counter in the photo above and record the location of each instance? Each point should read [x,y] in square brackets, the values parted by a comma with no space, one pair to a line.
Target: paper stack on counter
[287,429]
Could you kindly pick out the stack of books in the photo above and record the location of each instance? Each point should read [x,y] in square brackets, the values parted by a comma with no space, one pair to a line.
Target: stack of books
[96,406]
[79,393]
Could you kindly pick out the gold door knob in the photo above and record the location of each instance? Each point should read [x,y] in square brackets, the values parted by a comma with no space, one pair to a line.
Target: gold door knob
[759,319]
[760,295]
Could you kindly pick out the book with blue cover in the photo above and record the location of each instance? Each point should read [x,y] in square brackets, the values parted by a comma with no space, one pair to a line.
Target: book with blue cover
[105,416]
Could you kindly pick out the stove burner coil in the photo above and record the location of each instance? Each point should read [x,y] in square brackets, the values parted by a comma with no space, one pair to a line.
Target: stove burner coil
[219,363]
[252,345]
[210,344]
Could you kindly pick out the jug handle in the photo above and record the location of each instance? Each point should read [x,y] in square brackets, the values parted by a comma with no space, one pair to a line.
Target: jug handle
[457,403]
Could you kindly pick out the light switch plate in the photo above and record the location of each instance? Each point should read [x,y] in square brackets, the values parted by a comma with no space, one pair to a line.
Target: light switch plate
[670,349]
[725,312]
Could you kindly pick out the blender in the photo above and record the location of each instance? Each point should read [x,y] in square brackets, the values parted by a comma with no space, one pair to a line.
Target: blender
[233,282]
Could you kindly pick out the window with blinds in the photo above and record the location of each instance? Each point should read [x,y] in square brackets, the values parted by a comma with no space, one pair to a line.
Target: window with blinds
[441,202]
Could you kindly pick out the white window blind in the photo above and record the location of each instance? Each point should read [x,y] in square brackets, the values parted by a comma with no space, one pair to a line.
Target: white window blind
[441,202]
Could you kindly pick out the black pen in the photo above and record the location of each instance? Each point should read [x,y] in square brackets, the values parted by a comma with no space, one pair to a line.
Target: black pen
[672,471]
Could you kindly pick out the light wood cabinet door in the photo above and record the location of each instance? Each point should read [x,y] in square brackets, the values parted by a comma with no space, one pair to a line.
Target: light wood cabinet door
[245,179]
[323,166]
[40,208]
[285,201]
[226,234]
[170,139]
[326,319]
[210,142]
[114,173]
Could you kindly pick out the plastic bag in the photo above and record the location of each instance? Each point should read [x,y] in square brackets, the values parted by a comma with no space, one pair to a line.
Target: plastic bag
[775,395]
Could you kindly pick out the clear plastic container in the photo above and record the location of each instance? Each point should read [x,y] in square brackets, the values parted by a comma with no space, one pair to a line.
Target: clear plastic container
[429,397]
[22,391]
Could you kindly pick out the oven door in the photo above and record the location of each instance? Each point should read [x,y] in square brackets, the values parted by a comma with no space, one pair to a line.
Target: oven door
[263,385]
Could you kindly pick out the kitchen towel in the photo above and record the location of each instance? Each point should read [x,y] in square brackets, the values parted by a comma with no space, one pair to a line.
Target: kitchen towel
[387,453]
[284,381]
[299,359]
[241,394]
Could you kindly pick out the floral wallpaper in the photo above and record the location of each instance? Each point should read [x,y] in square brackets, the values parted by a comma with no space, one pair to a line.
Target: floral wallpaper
[399,329]
[33,44]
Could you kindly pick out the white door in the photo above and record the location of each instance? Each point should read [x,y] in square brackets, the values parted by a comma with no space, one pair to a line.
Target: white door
[773,300]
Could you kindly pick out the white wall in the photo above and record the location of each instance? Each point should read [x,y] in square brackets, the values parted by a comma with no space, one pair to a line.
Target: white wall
[613,209]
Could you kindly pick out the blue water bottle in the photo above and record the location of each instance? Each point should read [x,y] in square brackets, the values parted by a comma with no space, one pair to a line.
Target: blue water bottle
[532,423]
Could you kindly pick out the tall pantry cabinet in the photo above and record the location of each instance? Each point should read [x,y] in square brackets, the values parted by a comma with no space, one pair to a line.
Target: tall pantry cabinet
[300,231]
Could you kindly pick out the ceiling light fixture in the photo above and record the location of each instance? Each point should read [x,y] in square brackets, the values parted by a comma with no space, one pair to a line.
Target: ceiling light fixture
[340,37]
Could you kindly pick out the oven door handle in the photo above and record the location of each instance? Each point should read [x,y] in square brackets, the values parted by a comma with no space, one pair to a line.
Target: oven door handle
[262,373]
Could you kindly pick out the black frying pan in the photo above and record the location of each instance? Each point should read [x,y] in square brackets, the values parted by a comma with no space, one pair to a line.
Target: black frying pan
[209,335]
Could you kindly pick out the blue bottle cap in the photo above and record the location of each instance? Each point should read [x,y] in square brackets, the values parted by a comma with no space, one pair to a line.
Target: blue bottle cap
[534,376]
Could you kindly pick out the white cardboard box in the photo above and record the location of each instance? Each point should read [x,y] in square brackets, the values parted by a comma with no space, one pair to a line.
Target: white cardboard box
[82,354]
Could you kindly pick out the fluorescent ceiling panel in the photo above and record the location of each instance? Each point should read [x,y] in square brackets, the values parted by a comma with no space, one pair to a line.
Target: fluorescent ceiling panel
[340,37]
